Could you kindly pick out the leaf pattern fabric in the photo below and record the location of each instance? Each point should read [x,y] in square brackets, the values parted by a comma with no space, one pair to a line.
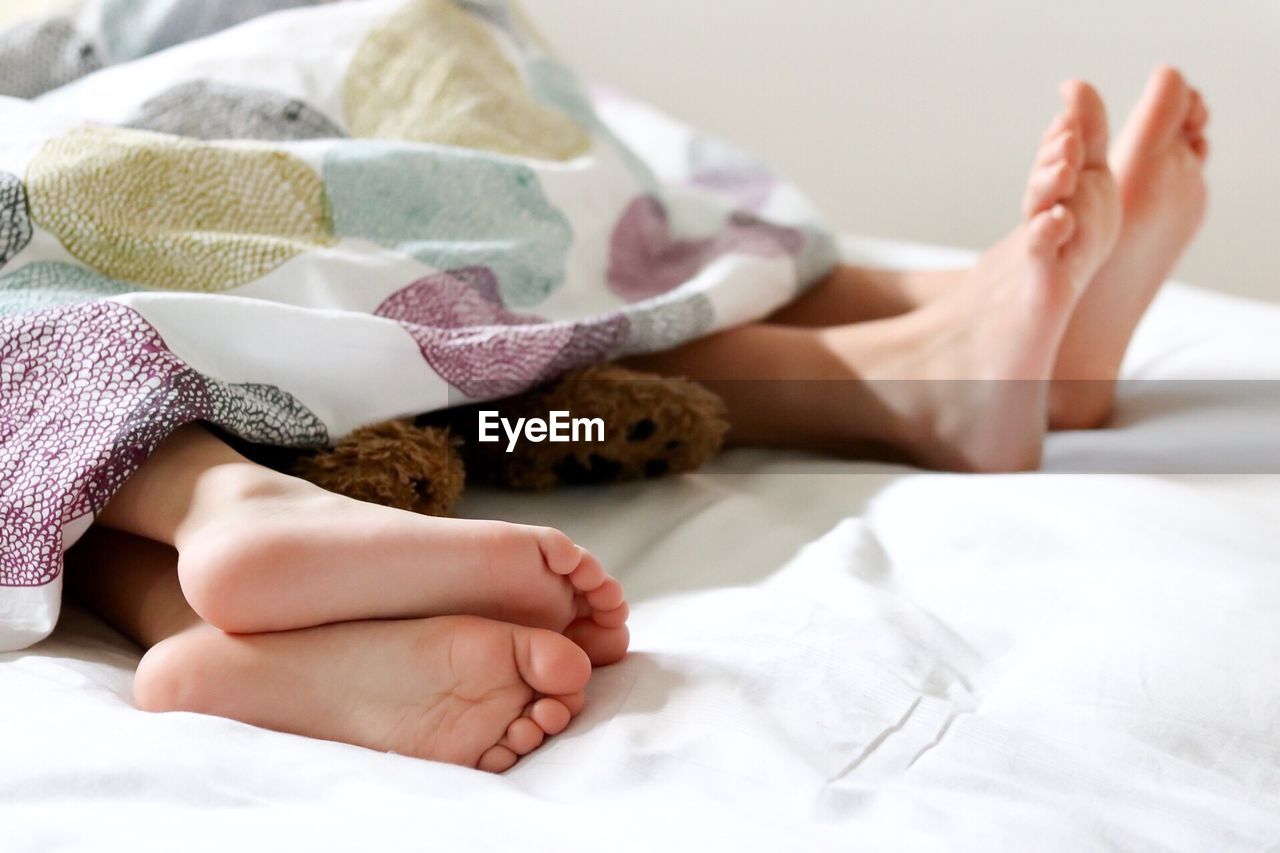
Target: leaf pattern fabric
[290,219]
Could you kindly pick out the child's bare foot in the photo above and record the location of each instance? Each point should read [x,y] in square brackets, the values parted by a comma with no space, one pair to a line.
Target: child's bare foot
[986,348]
[261,552]
[461,690]
[1159,164]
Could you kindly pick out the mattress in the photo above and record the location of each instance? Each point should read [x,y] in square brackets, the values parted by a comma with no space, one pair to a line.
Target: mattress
[827,655]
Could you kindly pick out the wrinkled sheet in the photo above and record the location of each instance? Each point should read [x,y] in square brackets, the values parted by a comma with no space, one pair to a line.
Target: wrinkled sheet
[828,655]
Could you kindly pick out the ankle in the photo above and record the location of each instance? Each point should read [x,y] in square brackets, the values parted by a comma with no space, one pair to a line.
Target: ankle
[1081,404]
[242,532]
[234,488]
[844,406]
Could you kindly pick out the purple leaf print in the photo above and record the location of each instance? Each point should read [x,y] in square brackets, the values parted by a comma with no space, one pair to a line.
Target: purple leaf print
[646,261]
[749,190]
[87,392]
[730,172]
[485,350]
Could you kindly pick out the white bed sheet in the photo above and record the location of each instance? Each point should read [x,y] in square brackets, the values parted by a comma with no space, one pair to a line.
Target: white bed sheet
[828,655]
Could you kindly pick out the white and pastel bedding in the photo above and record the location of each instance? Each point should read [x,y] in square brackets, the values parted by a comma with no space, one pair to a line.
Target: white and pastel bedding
[828,656]
[328,215]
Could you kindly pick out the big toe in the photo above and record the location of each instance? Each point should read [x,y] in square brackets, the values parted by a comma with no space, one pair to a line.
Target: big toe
[1051,230]
[1085,104]
[1165,110]
[550,663]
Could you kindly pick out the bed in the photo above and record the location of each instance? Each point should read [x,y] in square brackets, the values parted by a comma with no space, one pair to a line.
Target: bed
[828,655]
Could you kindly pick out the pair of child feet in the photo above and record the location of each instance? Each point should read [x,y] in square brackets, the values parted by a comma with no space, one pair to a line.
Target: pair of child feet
[1032,336]
[471,642]
[298,610]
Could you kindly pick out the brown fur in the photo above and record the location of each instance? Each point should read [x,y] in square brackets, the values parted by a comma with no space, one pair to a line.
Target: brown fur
[654,427]
[394,463]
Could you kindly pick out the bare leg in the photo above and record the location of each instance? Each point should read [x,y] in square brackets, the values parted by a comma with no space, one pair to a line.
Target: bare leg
[787,387]
[260,551]
[854,294]
[132,583]
[462,690]
[960,383]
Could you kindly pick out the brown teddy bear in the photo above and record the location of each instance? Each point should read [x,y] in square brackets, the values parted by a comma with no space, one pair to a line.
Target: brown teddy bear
[653,427]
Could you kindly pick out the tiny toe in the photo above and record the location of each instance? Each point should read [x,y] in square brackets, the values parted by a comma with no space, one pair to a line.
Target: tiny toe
[1198,117]
[1052,230]
[604,646]
[497,759]
[608,596]
[561,554]
[1073,150]
[552,716]
[1066,147]
[575,702]
[1049,186]
[615,618]
[524,736]
[588,575]
[1061,122]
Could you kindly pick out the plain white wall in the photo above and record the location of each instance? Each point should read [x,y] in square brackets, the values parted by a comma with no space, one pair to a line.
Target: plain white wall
[917,119]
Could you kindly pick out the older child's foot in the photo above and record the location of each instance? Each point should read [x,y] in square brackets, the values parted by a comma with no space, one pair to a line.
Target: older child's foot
[262,552]
[1159,163]
[985,350]
[460,690]
[960,382]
